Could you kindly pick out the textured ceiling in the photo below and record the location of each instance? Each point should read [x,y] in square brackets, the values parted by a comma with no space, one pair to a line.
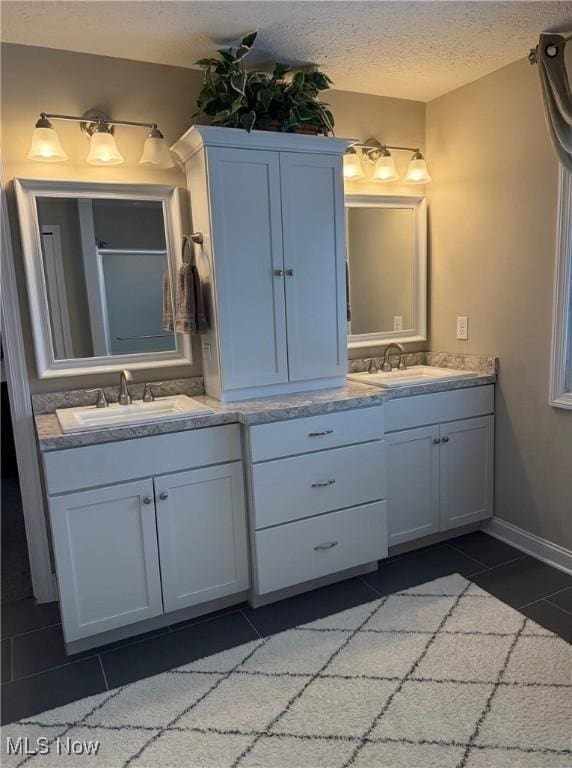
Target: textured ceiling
[407,49]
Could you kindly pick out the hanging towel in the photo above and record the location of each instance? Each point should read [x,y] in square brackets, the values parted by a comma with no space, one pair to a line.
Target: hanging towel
[190,315]
[168,321]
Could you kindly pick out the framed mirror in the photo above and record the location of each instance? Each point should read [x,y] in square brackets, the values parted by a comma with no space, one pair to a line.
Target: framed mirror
[96,257]
[386,253]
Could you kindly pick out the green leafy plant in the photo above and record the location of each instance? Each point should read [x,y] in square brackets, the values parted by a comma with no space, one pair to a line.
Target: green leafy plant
[284,100]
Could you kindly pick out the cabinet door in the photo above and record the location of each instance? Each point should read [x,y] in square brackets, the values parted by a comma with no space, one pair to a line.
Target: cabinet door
[105,544]
[244,186]
[201,521]
[412,483]
[466,471]
[313,227]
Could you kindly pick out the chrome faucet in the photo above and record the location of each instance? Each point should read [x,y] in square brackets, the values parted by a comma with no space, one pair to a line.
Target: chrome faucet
[387,365]
[124,396]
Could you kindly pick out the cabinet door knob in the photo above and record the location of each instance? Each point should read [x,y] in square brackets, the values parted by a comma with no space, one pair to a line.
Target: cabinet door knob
[278,272]
[436,441]
[147,499]
[289,272]
[163,495]
[444,439]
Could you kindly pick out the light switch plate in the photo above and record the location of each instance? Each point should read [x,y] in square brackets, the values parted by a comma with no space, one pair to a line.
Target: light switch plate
[462,328]
[397,322]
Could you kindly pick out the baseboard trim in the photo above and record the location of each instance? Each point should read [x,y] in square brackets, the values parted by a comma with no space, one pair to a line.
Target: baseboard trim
[542,549]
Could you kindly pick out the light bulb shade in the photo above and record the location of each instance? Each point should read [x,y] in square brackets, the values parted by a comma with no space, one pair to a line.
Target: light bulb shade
[103,149]
[46,146]
[156,151]
[417,172]
[352,166]
[384,169]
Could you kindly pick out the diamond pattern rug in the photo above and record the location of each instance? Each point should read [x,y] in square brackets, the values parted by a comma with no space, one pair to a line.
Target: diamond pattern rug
[442,675]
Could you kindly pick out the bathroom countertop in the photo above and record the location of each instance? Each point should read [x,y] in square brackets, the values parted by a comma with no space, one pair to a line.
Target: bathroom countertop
[260,411]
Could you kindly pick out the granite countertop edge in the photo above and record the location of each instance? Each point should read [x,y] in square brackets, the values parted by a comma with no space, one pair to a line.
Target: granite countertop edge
[249,412]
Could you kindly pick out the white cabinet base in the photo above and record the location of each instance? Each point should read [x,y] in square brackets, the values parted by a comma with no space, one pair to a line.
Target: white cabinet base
[157,622]
[257,601]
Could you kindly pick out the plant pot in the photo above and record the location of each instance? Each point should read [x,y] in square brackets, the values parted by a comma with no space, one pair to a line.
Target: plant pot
[308,129]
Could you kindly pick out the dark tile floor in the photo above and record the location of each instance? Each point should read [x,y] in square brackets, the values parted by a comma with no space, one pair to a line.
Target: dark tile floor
[37,675]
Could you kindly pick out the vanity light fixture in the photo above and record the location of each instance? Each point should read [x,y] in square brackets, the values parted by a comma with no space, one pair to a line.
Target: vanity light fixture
[46,145]
[353,168]
[384,170]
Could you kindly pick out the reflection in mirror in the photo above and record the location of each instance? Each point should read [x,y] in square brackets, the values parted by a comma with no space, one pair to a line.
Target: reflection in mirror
[386,259]
[103,262]
[381,255]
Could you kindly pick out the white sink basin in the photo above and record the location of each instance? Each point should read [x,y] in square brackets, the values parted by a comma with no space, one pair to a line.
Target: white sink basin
[88,417]
[417,374]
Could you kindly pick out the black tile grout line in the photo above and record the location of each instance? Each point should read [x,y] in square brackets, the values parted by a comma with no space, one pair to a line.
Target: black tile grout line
[31,631]
[554,605]
[204,619]
[502,565]
[470,557]
[370,587]
[244,616]
[547,598]
[103,672]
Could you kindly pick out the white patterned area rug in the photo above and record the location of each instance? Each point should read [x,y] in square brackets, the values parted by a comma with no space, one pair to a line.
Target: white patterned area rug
[439,676]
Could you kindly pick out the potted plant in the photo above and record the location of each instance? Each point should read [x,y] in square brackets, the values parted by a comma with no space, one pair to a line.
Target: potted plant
[283,100]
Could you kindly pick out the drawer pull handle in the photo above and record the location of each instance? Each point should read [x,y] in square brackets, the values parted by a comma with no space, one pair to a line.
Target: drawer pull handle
[323,484]
[320,434]
[278,273]
[444,439]
[436,440]
[327,545]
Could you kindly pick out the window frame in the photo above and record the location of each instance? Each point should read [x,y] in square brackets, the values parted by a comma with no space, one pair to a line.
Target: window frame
[561,356]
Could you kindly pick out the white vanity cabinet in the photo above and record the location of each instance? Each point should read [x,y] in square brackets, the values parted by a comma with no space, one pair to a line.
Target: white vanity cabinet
[130,549]
[201,523]
[317,491]
[105,545]
[440,467]
[270,208]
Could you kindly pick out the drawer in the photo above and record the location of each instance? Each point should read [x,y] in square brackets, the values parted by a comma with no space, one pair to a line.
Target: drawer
[302,486]
[420,410]
[93,465]
[305,550]
[314,433]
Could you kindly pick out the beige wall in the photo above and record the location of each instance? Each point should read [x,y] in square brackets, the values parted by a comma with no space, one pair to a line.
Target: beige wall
[492,221]
[41,79]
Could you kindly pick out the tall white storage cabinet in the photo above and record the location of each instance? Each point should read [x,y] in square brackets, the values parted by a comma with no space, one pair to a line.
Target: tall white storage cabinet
[270,207]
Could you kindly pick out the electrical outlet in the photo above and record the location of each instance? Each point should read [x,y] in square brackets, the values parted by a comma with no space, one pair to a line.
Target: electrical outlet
[207,350]
[397,322]
[462,328]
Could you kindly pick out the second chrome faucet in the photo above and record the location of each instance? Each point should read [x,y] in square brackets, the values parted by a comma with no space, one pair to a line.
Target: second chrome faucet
[124,396]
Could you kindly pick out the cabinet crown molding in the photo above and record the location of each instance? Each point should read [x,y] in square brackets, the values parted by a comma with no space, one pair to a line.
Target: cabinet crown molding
[199,136]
